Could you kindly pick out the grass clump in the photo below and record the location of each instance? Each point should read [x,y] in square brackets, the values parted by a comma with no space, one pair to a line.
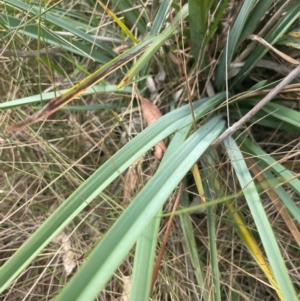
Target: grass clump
[88,212]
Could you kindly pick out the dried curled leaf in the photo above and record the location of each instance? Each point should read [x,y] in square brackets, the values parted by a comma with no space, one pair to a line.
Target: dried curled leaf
[159,150]
[281,54]
[151,113]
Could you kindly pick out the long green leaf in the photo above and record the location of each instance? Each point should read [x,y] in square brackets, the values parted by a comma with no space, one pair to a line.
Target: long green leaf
[41,12]
[117,242]
[233,41]
[282,113]
[241,229]
[282,194]
[259,11]
[61,100]
[261,220]
[49,37]
[281,171]
[197,24]
[131,15]
[216,22]
[48,96]
[161,16]
[191,245]
[146,244]
[264,119]
[158,42]
[80,198]
[198,16]
[209,175]
[275,33]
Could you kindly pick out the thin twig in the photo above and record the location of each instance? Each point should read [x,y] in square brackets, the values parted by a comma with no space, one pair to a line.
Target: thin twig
[165,239]
[258,107]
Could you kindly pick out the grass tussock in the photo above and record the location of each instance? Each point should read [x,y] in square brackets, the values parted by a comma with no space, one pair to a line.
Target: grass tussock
[84,203]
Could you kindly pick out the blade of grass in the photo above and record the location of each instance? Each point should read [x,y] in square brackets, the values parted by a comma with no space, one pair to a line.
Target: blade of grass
[240,225]
[120,238]
[198,182]
[281,112]
[216,22]
[94,185]
[34,31]
[41,12]
[259,11]
[160,16]
[282,172]
[155,29]
[263,226]
[131,15]
[264,120]
[269,184]
[143,262]
[190,242]
[82,86]
[160,39]
[283,195]
[266,28]
[119,22]
[251,244]
[198,17]
[208,175]
[46,96]
[146,244]
[292,75]
[233,41]
[274,34]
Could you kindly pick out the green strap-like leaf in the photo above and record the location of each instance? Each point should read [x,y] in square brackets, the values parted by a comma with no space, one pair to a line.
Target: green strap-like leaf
[158,42]
[261,220]
[41,12]
[117,242]
[109,171]
[274,34]
[233,40]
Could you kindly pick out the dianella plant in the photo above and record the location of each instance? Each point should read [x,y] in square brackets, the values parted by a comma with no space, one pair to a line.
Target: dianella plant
[149,150]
